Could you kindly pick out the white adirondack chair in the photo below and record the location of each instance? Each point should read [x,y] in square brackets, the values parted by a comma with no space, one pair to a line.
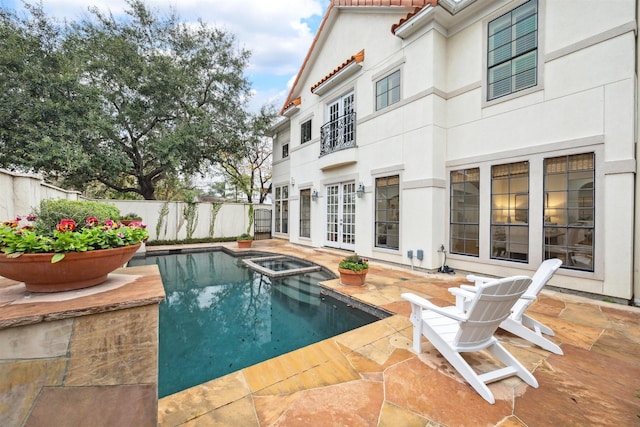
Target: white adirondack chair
[453,331]
[518,323]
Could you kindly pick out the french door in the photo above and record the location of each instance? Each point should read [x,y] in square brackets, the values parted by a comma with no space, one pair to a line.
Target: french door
[341,215]
[342,129]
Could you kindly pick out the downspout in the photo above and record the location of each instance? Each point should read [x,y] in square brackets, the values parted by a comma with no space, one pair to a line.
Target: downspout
[635,294]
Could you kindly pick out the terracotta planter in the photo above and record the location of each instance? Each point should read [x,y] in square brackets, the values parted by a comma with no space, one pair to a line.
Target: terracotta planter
[353,278]
[75,271]
[243,244]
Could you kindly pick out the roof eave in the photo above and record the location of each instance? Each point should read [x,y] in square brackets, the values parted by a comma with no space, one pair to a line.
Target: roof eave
[415,23]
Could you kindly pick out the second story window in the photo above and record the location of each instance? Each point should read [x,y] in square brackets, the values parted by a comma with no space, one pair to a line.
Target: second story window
[285,151]
[340,130]
[388,90]
[305,132]
[512,56]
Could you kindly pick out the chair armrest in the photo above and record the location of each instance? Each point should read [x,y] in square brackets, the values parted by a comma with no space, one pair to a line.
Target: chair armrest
[462,296]
[421,303]
[479,279]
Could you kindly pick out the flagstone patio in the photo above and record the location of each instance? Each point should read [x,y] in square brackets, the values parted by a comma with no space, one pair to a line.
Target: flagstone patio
[370,376]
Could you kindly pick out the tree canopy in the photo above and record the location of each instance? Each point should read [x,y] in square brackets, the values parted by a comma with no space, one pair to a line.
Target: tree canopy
[249,168]
[123,101]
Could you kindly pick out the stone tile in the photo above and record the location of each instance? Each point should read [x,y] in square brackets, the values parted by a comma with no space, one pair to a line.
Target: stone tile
[511,421]
[398,322]
[618,346]
[39,340]
[365,335]
[359,405]
[585,315]
[581,389]
[574,333]
[270,408]
[546,305]
[331,372]
[432,394]
[104,406]
[238,413]
[20,384]
[115,348]
[279,369]
[188,404]
[146,289]
[393,416]
[621,316]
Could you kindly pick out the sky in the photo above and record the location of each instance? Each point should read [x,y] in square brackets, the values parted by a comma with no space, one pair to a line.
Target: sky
[277,32]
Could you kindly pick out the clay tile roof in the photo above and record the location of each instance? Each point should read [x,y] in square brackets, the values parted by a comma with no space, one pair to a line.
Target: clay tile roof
[293,103]
[357,58]
[411,14]
[405,3]
[338,3]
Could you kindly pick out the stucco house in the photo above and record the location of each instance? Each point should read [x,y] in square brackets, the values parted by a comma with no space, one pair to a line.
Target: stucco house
[495,133]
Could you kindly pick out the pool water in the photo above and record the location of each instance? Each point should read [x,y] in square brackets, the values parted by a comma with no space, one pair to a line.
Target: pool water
[220,316]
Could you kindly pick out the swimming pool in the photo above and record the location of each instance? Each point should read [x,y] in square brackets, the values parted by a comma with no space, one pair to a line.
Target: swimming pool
[220,316]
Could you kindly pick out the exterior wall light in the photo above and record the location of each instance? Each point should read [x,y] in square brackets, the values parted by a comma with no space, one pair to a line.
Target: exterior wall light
[360,190]
[314,194]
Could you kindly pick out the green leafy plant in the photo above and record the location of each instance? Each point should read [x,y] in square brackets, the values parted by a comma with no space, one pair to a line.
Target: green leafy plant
[354,262]
[162,216]
[215,208]
[252,216]
[31,235]
[245,236]
[131,216]
[190,213]
[52,211]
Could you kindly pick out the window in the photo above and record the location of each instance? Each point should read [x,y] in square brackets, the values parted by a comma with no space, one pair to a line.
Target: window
[465,208]
[285,151]
[388,90]
[510,211]
[388,212]
[512,56]
[305,213]
[569,210]
[339,132]
[305,132]
[282,209]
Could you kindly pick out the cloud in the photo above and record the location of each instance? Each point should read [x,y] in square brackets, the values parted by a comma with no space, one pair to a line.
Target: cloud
[277,32]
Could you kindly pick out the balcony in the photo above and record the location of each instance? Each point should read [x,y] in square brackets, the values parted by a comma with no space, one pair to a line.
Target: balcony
[338,134]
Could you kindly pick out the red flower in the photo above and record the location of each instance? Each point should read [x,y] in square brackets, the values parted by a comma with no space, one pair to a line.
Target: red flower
[66,225]
[92,221]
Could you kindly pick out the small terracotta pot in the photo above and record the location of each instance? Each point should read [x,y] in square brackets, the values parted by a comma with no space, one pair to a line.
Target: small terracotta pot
[243,244]
[76,270]
[353,278]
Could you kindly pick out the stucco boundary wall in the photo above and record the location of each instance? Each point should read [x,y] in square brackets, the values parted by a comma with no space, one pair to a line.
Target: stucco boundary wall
[164,220]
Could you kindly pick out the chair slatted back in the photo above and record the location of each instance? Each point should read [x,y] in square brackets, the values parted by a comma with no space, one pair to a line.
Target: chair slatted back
[546,270]
[491,304]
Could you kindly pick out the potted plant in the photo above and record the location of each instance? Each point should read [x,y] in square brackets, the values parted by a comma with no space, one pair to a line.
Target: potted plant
[245,240]
[130,218]
[353,270]
[67,245]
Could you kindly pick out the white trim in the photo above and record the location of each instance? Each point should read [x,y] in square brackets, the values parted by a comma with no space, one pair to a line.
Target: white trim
[425,183]
[591,41]
[415,23]
[590,141]
[339,77]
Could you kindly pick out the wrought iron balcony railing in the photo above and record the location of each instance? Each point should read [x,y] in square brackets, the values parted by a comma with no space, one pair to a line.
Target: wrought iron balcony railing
[338,134]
